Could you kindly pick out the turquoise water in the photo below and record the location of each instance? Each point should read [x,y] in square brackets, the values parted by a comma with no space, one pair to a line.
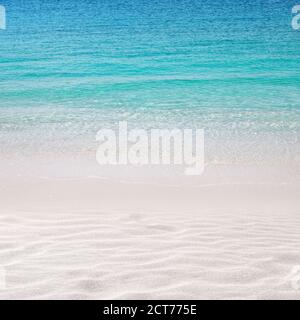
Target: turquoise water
[69,67]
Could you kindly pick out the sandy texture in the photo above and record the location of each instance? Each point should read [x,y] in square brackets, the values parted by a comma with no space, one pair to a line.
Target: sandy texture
[93,239]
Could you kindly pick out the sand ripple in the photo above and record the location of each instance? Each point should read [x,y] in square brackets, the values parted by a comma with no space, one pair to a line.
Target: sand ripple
[116,256]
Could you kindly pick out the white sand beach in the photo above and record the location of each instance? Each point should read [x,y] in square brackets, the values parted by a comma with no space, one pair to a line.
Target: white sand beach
[109,111]
[88,238]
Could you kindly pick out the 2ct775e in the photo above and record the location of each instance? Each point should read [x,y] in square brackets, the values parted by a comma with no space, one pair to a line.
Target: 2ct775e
[172,309]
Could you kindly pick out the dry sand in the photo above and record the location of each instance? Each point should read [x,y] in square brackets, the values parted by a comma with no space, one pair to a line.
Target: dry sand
[104,239]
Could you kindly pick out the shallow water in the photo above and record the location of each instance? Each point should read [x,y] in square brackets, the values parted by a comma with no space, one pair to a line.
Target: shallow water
[69,68]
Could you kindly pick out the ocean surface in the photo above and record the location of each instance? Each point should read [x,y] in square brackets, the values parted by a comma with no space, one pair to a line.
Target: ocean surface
[70,68]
